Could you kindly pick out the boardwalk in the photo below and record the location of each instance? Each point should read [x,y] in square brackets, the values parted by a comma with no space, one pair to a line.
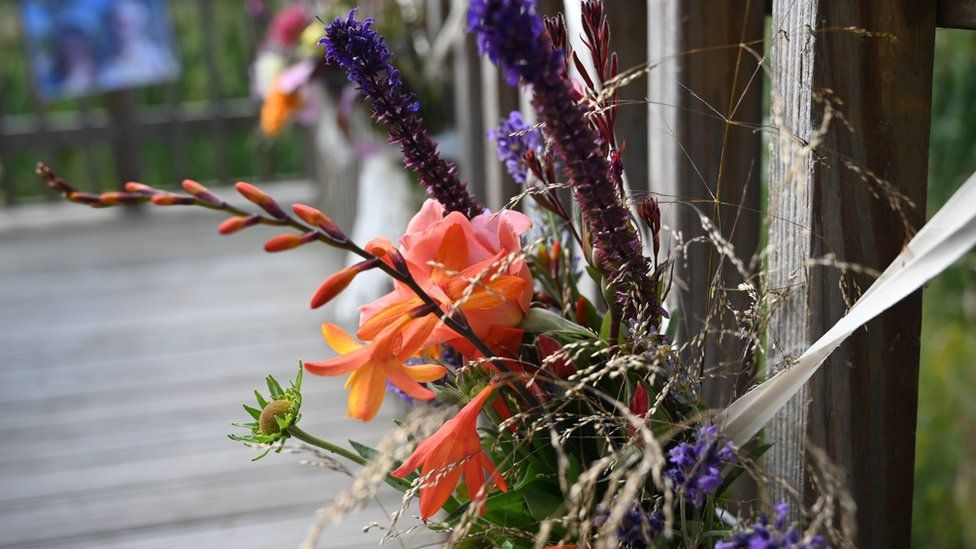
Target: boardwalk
[127,344]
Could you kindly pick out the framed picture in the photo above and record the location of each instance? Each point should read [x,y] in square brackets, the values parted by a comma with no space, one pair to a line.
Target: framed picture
[82,47]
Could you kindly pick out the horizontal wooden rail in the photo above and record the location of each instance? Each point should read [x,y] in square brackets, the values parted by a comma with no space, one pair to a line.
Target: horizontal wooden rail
[23,131]
[956,14]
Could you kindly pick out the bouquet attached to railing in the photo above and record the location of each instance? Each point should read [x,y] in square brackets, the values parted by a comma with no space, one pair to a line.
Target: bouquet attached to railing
[541,416]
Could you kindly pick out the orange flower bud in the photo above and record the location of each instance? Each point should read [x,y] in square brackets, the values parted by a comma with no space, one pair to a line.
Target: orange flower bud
[114,197]
[333,286]
[84,198]
[309,214]
[170,199]
[201,192]
[555,253]
[235,224]
[543,254]
[260,198]
[288,241]
[318,219]
[136,187]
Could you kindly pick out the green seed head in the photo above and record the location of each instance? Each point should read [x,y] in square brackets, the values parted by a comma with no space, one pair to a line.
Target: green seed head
[267,423]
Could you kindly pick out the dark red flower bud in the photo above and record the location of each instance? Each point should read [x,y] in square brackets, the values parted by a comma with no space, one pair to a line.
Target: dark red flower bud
[554,358]
[640,402]
[582,311]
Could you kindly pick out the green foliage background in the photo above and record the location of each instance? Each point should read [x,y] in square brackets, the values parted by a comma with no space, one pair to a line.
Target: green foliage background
[945,467]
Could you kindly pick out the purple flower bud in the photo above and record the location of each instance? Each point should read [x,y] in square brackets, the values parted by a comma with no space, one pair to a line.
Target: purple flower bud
[513,139]
[777,535]
[513,35]
[363,54]
[696,468]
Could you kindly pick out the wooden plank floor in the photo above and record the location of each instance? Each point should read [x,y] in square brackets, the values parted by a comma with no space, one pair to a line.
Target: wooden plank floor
[127,344]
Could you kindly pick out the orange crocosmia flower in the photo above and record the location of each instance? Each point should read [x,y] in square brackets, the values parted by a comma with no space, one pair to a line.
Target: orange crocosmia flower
[371,365]
[453,449]
[277,109]
[474,265]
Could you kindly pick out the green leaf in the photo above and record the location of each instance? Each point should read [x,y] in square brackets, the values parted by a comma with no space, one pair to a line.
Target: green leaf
[595,274]
[544,321]
[297,384]
[365,451]
[541,504]
[261,402]
[275,388]
[673,320]
[605,327]
[457,513]
[254,412]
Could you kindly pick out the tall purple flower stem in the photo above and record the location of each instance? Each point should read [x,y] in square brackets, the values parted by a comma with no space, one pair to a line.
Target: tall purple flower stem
[363,54]
[513,35]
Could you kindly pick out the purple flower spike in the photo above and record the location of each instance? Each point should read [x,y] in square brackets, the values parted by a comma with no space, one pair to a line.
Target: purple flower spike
[696,468]
[763,535]
[512,139]
[363,54]
[512,34]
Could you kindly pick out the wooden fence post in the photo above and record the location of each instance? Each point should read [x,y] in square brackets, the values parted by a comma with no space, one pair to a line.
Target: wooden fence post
[832,191]
[125,146]
[628,37]
[705,100]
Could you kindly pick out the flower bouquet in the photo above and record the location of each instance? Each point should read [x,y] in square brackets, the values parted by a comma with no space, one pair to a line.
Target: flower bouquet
[541,416]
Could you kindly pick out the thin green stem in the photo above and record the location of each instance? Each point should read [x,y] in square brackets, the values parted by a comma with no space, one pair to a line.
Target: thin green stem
[313,440]
[301,435]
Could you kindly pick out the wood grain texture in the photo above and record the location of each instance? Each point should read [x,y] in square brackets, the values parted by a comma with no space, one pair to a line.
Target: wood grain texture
[957,14]
[628,37]
[830,200]
[705,99]
[127,344]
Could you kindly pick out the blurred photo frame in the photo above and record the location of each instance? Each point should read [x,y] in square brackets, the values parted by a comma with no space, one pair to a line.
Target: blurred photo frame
[85,47]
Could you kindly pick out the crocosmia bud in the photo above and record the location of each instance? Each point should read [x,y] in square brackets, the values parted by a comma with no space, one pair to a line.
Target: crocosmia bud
[136,187]
[235,224]
[169,199]
[288,241]
[640,402]
[202,193]
[260,198]
[318,219]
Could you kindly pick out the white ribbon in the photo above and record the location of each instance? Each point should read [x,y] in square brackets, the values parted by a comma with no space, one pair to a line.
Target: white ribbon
[943,240]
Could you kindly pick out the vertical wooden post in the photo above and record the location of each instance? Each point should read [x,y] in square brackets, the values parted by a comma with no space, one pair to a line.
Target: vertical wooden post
[498,98]
[217,127]
[467,101]
[628,37]
[125,147]
[704,94]
[830,193]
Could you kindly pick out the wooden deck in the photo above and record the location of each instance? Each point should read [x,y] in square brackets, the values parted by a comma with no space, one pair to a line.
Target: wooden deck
[127,344]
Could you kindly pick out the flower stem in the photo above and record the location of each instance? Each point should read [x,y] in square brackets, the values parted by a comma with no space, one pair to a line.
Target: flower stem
[301,435]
